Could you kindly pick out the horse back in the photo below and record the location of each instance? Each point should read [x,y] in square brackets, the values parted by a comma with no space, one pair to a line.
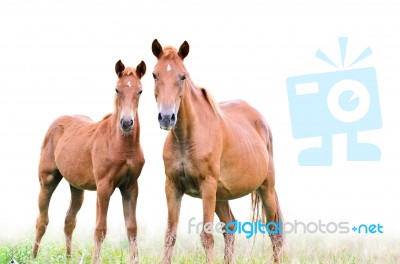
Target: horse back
[57,130]
[240,117]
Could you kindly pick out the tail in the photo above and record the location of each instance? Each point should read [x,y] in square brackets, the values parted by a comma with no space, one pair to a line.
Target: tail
[258,211]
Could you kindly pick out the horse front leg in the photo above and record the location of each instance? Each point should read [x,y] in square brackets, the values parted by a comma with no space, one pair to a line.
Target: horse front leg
[208,189]
[104,191]
[174,198]
[129,199]
[224,213]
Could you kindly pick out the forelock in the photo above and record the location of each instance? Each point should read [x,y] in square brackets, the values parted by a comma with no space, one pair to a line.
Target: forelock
[129,71]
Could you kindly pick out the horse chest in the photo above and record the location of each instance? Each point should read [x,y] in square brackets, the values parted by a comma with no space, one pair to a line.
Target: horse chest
[187,167]
[131,165]
[187,174]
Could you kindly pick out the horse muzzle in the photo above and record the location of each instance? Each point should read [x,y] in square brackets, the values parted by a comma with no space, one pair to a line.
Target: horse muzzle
[126,125]
[167,122]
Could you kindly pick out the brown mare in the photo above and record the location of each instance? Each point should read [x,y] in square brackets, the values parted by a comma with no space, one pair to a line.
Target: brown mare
[96,156]
[216,152]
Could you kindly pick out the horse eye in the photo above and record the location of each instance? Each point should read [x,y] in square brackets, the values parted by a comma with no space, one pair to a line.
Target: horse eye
[183,77]
[139,93]
[116,90]
[154,76]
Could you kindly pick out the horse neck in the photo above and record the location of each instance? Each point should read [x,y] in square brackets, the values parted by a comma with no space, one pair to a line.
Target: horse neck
[194,112]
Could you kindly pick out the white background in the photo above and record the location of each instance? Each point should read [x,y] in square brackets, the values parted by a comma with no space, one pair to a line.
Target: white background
[58,58]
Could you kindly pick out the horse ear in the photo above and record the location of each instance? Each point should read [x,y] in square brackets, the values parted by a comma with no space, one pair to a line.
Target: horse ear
[183,50]
[156,48]
[119,68]
[141,69]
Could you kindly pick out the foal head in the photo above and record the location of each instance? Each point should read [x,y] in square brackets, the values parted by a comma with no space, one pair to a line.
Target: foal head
[169,76]
[128,91]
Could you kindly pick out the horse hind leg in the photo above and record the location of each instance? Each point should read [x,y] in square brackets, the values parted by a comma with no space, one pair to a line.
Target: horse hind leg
[225,215]
[273,213]
[77,196]
[49,180]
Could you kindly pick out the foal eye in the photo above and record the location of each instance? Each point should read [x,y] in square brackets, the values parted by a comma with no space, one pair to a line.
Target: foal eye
[183,77]
[139,93]
[116,90]
[154,76]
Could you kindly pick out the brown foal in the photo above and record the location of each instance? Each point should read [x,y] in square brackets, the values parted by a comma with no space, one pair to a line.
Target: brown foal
[216,152]
[96,156]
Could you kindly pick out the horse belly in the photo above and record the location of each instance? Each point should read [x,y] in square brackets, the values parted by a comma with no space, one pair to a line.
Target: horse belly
[78,172]
[80,180]
[241,176]
[234,184]
[73,160]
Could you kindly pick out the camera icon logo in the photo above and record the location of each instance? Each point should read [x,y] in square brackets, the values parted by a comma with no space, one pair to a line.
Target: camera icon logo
[324,104]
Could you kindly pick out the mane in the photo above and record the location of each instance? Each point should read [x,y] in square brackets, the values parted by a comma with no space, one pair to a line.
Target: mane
[106,116]
[209,98]
[129,71]
[211,101]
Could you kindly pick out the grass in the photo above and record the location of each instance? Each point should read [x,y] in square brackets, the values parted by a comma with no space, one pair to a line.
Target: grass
[188,250]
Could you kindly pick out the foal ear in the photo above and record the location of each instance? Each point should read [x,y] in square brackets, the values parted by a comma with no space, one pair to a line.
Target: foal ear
[119,68]
[156,48]
[141,69]
[183,50]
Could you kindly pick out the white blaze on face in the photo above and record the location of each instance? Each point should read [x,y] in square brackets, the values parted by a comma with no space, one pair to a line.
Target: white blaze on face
[168,67]
[129,84]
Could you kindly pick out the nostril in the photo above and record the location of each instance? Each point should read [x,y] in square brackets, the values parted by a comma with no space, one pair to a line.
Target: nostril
[159,117]
[126,124]
[173,117]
